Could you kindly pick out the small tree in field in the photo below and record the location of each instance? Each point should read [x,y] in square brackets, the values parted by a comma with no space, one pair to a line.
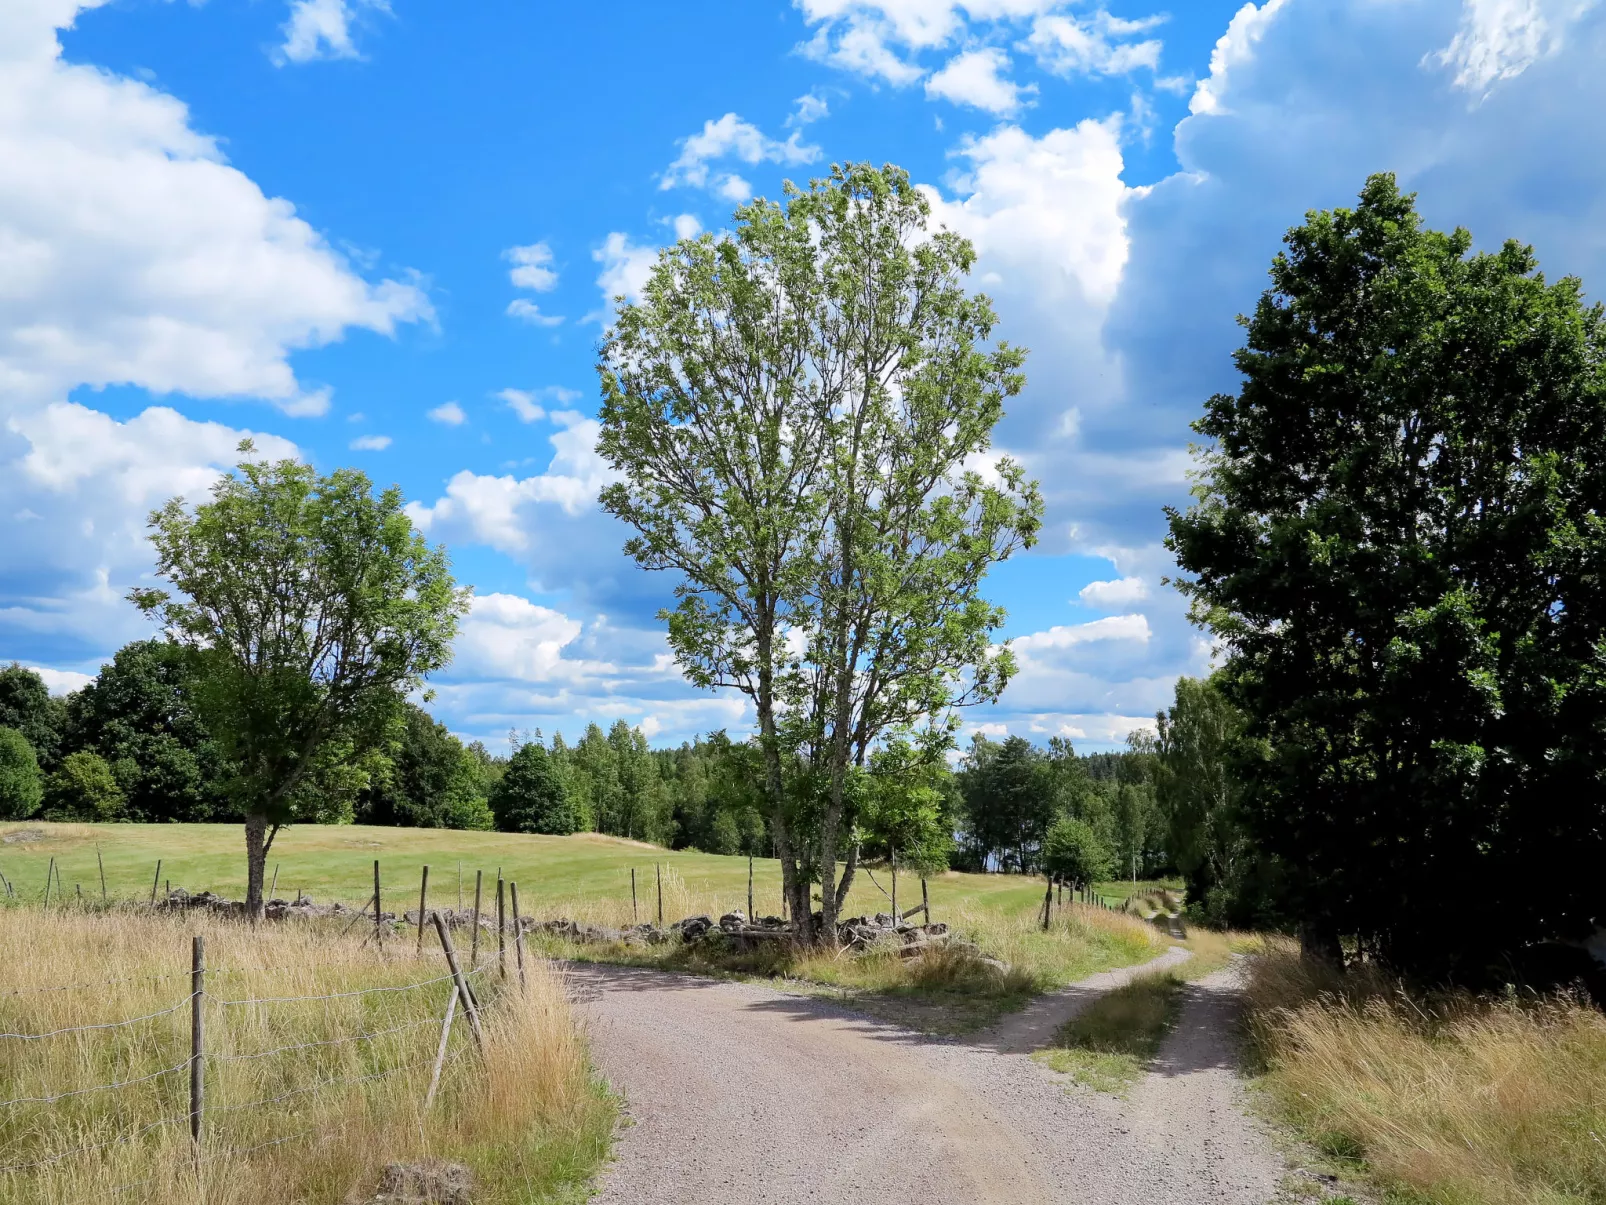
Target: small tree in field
[532,796]
[310,606]
[792,410]
[1073,853]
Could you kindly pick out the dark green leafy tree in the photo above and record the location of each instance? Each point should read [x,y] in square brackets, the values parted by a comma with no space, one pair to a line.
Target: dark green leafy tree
[427,779]
[1399,541]
[27,705]
[1073,853]
[791,409]
[20,785]
[139,716]
[906,814]
[311,606]
[83,787]
[532,796]
[1199,753]
[1009,800]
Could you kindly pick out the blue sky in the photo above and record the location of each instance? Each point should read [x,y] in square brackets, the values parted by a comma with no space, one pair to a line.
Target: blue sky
[386,235]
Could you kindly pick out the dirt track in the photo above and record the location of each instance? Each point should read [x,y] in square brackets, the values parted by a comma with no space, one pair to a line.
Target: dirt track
[743,1094]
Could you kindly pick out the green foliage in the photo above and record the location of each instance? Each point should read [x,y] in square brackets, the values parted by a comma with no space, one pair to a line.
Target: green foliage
[426,780]
[1199,755]
[310,606]
[1009,802]
[83,787]
[20,787]
[139,716]
[1399,541]
[532,796]
[27,706]
[791,408]
[1074,853]
[907,808]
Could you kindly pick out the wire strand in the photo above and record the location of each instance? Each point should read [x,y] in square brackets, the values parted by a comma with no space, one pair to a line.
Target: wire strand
[56,1033]
[356,1037]
[92,1146]
[127,1083]
[365,991]
[319,1086]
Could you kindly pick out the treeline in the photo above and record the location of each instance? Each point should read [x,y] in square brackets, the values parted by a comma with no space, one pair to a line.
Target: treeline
[129,746]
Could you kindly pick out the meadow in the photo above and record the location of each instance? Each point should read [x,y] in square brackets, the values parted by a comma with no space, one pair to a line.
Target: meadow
[319,1051]
[586,877]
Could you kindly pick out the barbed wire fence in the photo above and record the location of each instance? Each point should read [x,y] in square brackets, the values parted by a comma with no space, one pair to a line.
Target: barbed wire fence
[195,1109]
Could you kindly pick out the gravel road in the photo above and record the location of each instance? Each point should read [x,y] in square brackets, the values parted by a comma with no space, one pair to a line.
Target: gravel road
[740,1094]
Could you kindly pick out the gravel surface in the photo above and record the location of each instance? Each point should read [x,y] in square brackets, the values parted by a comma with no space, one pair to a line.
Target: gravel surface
[738,1093]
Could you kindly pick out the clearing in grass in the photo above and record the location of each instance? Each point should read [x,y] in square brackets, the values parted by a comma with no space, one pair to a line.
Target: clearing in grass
[306,1099]
[1442,1099]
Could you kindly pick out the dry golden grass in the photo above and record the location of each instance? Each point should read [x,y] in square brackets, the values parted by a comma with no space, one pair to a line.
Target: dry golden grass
[1452,1100]
[529,1120]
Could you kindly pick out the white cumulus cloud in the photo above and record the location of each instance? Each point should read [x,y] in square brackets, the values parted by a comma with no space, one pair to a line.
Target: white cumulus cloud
[729,137]
[1094,45]
[371,443]
[977,78]
[449,414]
[321,29]
[1500,39]
[1122,592]
[532,267]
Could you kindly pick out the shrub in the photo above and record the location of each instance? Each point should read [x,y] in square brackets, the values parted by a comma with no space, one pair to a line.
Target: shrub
[533,796]
[83,788]
[20,788]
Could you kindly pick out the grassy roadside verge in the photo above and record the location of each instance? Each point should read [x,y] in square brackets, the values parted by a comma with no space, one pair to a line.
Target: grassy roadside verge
[1447,1099]
[319,1052]
[999,962]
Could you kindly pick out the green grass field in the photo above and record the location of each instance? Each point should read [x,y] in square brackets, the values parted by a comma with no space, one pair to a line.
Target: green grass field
[586,876]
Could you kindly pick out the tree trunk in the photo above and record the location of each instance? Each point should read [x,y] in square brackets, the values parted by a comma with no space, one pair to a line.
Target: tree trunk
[256,861]
[1319,943]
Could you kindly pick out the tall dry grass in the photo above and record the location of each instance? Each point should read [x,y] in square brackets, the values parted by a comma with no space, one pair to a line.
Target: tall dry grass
[1449,1099]
[528,1119]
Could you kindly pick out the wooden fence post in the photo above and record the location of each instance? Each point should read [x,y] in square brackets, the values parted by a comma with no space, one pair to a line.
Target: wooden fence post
[518,933]
[659,871]
[501,929]
[474,948]
[423,897]
[101,863]
[460,884]
[894,859]
[925,900]
[440,1051]
[50,877]
[1048,904]
[749,888]
[379,907]
[635,916]
[273,888]
[462,984]
[156,880]
[197,1037]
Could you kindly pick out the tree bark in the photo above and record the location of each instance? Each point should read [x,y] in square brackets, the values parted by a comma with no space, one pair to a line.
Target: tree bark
[256,861]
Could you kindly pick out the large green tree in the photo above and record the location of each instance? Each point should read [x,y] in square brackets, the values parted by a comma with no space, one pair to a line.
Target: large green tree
[1400,541]
[532,796]
[139,716]
[20,785]
[28,706]
[791,409]
[310,606]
